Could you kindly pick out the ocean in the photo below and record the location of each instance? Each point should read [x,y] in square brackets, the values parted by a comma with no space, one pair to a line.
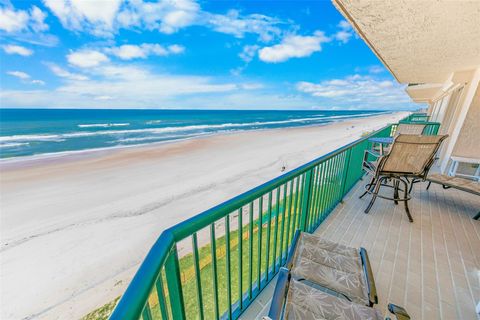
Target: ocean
[29,132]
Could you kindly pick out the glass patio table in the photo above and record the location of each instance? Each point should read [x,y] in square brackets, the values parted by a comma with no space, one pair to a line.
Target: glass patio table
[381,141]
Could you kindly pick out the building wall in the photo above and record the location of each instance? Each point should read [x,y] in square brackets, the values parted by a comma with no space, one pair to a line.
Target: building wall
[468,142]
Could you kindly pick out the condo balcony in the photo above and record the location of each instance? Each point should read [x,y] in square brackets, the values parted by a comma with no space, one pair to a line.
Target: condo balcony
[222,264]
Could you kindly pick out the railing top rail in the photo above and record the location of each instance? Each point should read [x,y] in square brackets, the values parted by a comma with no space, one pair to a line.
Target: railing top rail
[133,300]
[419,122]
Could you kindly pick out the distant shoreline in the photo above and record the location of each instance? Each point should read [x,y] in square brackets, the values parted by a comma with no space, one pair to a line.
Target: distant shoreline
[30,160]
[47,133]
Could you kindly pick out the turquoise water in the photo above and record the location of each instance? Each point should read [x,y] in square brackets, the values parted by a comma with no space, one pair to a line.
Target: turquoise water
[27,132]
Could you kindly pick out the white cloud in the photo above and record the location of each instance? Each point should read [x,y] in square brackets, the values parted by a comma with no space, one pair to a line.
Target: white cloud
[65,74]
[248,52]
[86,58]
[12,20]
[293,46]
[24,77]
[14,49]
[96,17]
[128,51]
[19,74]
[37,18]
[376,69]
[357,91]
[25,25]
[128,87]
[237,25]
[105,18]
[40,82]
[345,33]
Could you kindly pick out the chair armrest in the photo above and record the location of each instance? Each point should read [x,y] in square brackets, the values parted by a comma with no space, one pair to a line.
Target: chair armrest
[281,288]
[398,311]
[372,290]
[291,252]
[373,153]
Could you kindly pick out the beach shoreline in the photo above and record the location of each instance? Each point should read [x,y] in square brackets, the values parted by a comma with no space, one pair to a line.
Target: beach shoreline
[76,226]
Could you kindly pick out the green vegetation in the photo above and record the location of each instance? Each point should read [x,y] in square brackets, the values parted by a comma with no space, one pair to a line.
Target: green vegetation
[102,313]
[187,271]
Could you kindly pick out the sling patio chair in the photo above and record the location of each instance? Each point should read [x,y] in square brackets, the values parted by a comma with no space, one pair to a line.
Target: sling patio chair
[410,156]
[339,270]
[402,128]
[294,299]
[410,128]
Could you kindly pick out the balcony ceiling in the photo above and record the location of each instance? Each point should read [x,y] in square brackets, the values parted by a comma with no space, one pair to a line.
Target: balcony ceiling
[419,41]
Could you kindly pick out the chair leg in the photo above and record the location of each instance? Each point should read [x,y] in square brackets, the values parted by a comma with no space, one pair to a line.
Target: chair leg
[369,187]
[375,193]
[405,196]
[395,191]
[411,185]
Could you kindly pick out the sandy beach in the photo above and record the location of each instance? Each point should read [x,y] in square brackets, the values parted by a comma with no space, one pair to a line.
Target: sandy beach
[75,228]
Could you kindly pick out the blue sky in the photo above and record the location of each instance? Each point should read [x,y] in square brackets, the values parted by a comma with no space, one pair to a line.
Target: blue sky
[188,54]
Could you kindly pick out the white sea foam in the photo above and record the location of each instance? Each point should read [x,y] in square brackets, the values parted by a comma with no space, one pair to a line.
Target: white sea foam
[31,137]
[13,144]
[153,121]
[103,125]
[208,128]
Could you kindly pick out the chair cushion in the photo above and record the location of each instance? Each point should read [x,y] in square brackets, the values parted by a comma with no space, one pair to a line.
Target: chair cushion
[463,184]
[331,265]
[306,302]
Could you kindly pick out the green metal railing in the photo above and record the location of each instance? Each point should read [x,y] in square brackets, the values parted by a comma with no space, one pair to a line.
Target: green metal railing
[213,265]
[417,117]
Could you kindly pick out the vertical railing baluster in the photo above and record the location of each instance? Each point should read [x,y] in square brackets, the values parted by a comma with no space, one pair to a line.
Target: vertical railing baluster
[161,297]
[290,202]
[297,204]
[240,258]
[277,211]
[346,172]
[227,265]
[313,208]
[259,249]
[196,263]
[323,189]
[174,284]
[146,313]
[250,251]
[299,201]
[213,248]
[269,226]
[307,191]
[328,185]
[282,236]
[317,200]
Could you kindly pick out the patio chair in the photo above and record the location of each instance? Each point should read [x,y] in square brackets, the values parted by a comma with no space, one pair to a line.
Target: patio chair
[339,270]
[402,128]
[411,156]
[409,128]
[294,299]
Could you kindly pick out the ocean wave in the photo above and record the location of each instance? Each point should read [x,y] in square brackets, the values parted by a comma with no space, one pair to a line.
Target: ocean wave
[32,137]
[103,125]
[153,121]
[13,144]
[208,128]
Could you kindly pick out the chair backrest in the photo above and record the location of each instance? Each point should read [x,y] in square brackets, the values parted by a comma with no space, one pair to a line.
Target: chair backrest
[409,128]
[412,154]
